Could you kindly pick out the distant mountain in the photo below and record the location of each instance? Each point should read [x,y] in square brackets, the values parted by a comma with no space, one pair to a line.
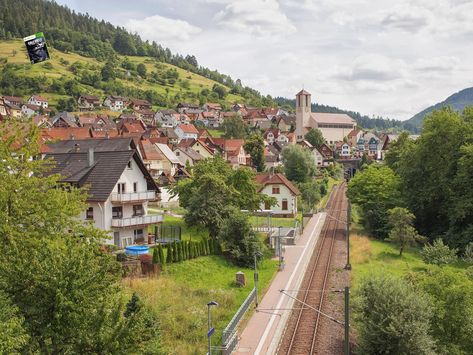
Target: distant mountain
[366,122]
[457,101]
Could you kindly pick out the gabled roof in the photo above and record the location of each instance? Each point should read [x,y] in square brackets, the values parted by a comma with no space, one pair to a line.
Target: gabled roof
[168,153]
[213,106]
[189,128]
[90,98]
[332,118]
[354,132]
[278,178]
[140,102]
[60,133]
[99,145]
[38,98]
[302,92]
[191,153]
[102,176]
[148,150]
[187,105]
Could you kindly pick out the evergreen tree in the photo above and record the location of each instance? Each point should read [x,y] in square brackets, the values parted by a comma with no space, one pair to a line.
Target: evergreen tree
[156,259]
[161,254]
[169,254]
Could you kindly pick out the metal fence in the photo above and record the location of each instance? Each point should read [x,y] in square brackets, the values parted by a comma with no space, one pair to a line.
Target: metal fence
[229,335]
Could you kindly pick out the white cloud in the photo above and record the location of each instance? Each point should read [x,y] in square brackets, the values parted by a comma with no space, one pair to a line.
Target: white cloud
[257,17]
[163,29]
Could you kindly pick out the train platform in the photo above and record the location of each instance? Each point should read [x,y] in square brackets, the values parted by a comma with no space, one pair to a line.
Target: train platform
[264,329]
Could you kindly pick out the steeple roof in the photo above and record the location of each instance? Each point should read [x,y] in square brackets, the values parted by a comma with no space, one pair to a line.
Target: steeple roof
[302,92]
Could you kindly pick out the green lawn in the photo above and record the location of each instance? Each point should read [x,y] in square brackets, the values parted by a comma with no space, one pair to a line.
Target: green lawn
[180,294]
[262,221]
[216,133]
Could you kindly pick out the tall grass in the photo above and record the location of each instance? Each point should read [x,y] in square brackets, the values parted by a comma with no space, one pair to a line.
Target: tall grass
[180,294]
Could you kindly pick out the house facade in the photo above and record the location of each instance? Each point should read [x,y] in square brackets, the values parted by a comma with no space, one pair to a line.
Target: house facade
[115,103]
[284,191]
[38,101]
[120,189]
[186,131]
[88,102]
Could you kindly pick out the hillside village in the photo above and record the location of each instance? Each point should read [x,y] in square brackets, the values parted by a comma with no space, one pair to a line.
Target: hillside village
[168,143]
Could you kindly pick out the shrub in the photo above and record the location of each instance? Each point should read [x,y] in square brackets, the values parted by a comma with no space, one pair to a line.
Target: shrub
[161,254]
[169,254]
[156,259]
[175,254]
[438,253]
[179,252]
[468,255]
[392,318]
[121,257]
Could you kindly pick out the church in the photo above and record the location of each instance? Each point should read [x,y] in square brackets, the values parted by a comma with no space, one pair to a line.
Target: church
[334,126]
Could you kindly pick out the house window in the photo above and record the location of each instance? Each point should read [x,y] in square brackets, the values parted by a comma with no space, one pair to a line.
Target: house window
[275,190]
[117,212]
[138,210]
[284,204]
[121,187]
[178,154]
[89,214]
[135,187]
[138,234]
[129,165]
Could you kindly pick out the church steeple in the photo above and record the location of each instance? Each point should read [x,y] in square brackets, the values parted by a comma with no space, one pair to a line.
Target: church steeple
[303,111]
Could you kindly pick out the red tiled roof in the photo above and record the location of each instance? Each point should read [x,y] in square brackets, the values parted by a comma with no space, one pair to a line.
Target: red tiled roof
[188,128]
[270,179]
[39,98]
[60,133]
[148,150]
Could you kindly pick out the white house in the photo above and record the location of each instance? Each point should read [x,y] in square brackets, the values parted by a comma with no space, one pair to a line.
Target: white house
[29,110]
[166,118]
[318,157]
[284,191]
[186,131]
[115,103]
[119,188]
[345,150]
[38,101]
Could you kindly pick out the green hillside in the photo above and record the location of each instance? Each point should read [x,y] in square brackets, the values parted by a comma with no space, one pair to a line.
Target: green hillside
[457,102]
[68,74]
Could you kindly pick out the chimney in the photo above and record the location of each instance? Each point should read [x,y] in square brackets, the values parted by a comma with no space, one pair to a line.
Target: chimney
[76,147]
[90,157]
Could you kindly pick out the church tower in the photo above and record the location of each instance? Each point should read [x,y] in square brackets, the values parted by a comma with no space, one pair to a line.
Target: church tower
[303,111]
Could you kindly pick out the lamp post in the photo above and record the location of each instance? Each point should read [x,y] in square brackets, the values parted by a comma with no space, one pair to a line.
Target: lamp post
[209,334]
[257,255]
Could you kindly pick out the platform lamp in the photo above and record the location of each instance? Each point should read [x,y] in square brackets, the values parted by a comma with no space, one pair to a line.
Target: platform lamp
[209,334]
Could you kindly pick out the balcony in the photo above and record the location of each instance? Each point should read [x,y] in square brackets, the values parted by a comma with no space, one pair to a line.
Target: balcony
[136,221]
[133,196]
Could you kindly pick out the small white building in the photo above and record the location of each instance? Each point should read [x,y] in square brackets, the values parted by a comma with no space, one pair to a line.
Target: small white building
[38,101]
[284,191]
[186,131]
[119,188]
[115,103]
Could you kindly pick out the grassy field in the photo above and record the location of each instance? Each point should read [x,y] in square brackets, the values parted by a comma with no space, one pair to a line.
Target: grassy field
[180,294]
[216,133]
[370,256]
[324,200]
[14,52]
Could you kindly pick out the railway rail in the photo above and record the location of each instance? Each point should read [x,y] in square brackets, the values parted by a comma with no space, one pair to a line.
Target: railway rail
[302,332]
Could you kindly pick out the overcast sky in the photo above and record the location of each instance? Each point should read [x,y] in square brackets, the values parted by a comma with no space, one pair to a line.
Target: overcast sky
[381,57]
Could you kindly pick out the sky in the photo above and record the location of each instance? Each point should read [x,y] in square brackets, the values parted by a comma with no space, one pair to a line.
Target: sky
[387,58]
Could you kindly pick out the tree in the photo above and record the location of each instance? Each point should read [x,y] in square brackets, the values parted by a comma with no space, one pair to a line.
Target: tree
[310,192]
[219,90]
[239,239]
[161,255]
[213,188]
[156,259]
[402,231]
[375,190]
[438,253]
[315,137]
[13,335]
[392,318]
[451,295]
[254,146]
[299,165]
[57,283]
[234,127]
[141,69]
[398,150]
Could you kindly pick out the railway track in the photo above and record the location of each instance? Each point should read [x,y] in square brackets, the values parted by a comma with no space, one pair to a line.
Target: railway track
[302,332]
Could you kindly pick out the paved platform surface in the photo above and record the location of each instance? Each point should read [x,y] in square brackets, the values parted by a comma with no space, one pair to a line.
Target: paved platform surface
[264,329]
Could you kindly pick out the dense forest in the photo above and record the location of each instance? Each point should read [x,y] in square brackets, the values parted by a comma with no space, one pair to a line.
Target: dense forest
[366,122]
[69,31]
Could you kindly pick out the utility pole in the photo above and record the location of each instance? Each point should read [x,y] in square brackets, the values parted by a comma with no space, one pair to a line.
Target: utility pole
[348,265]
[346,345]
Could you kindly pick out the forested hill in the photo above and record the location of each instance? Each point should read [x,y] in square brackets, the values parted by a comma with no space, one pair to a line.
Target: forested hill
[378,123]
[69,31]
[457,102]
